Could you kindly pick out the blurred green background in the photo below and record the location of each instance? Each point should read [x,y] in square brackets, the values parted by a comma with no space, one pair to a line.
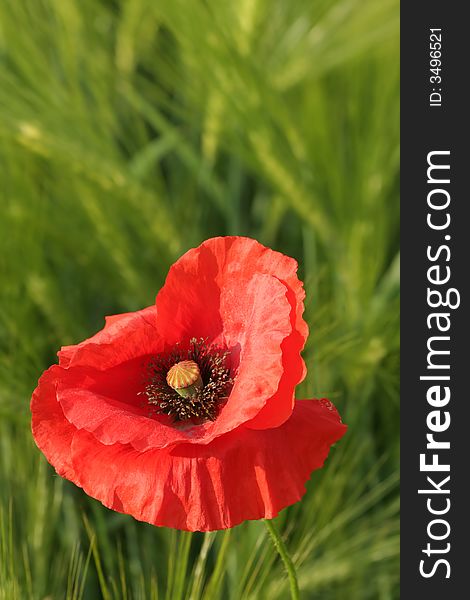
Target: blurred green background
[130,131]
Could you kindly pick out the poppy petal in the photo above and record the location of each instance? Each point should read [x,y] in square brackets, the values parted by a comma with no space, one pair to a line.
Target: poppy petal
[51,430]
[246,474]
[201,296]
[123,337]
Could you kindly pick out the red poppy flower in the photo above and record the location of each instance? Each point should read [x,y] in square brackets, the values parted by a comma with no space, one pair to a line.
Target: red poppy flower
[216,439]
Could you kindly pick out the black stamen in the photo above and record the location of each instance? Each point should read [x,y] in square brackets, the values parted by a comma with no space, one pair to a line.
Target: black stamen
[204,403]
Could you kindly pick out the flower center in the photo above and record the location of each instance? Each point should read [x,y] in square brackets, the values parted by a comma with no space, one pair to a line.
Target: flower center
[185,378]
[189,383]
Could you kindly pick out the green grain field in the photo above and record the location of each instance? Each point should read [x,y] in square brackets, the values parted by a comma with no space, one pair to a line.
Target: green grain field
[130,131]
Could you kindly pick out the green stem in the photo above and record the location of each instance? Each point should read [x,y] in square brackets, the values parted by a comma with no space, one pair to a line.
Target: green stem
[286,559]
